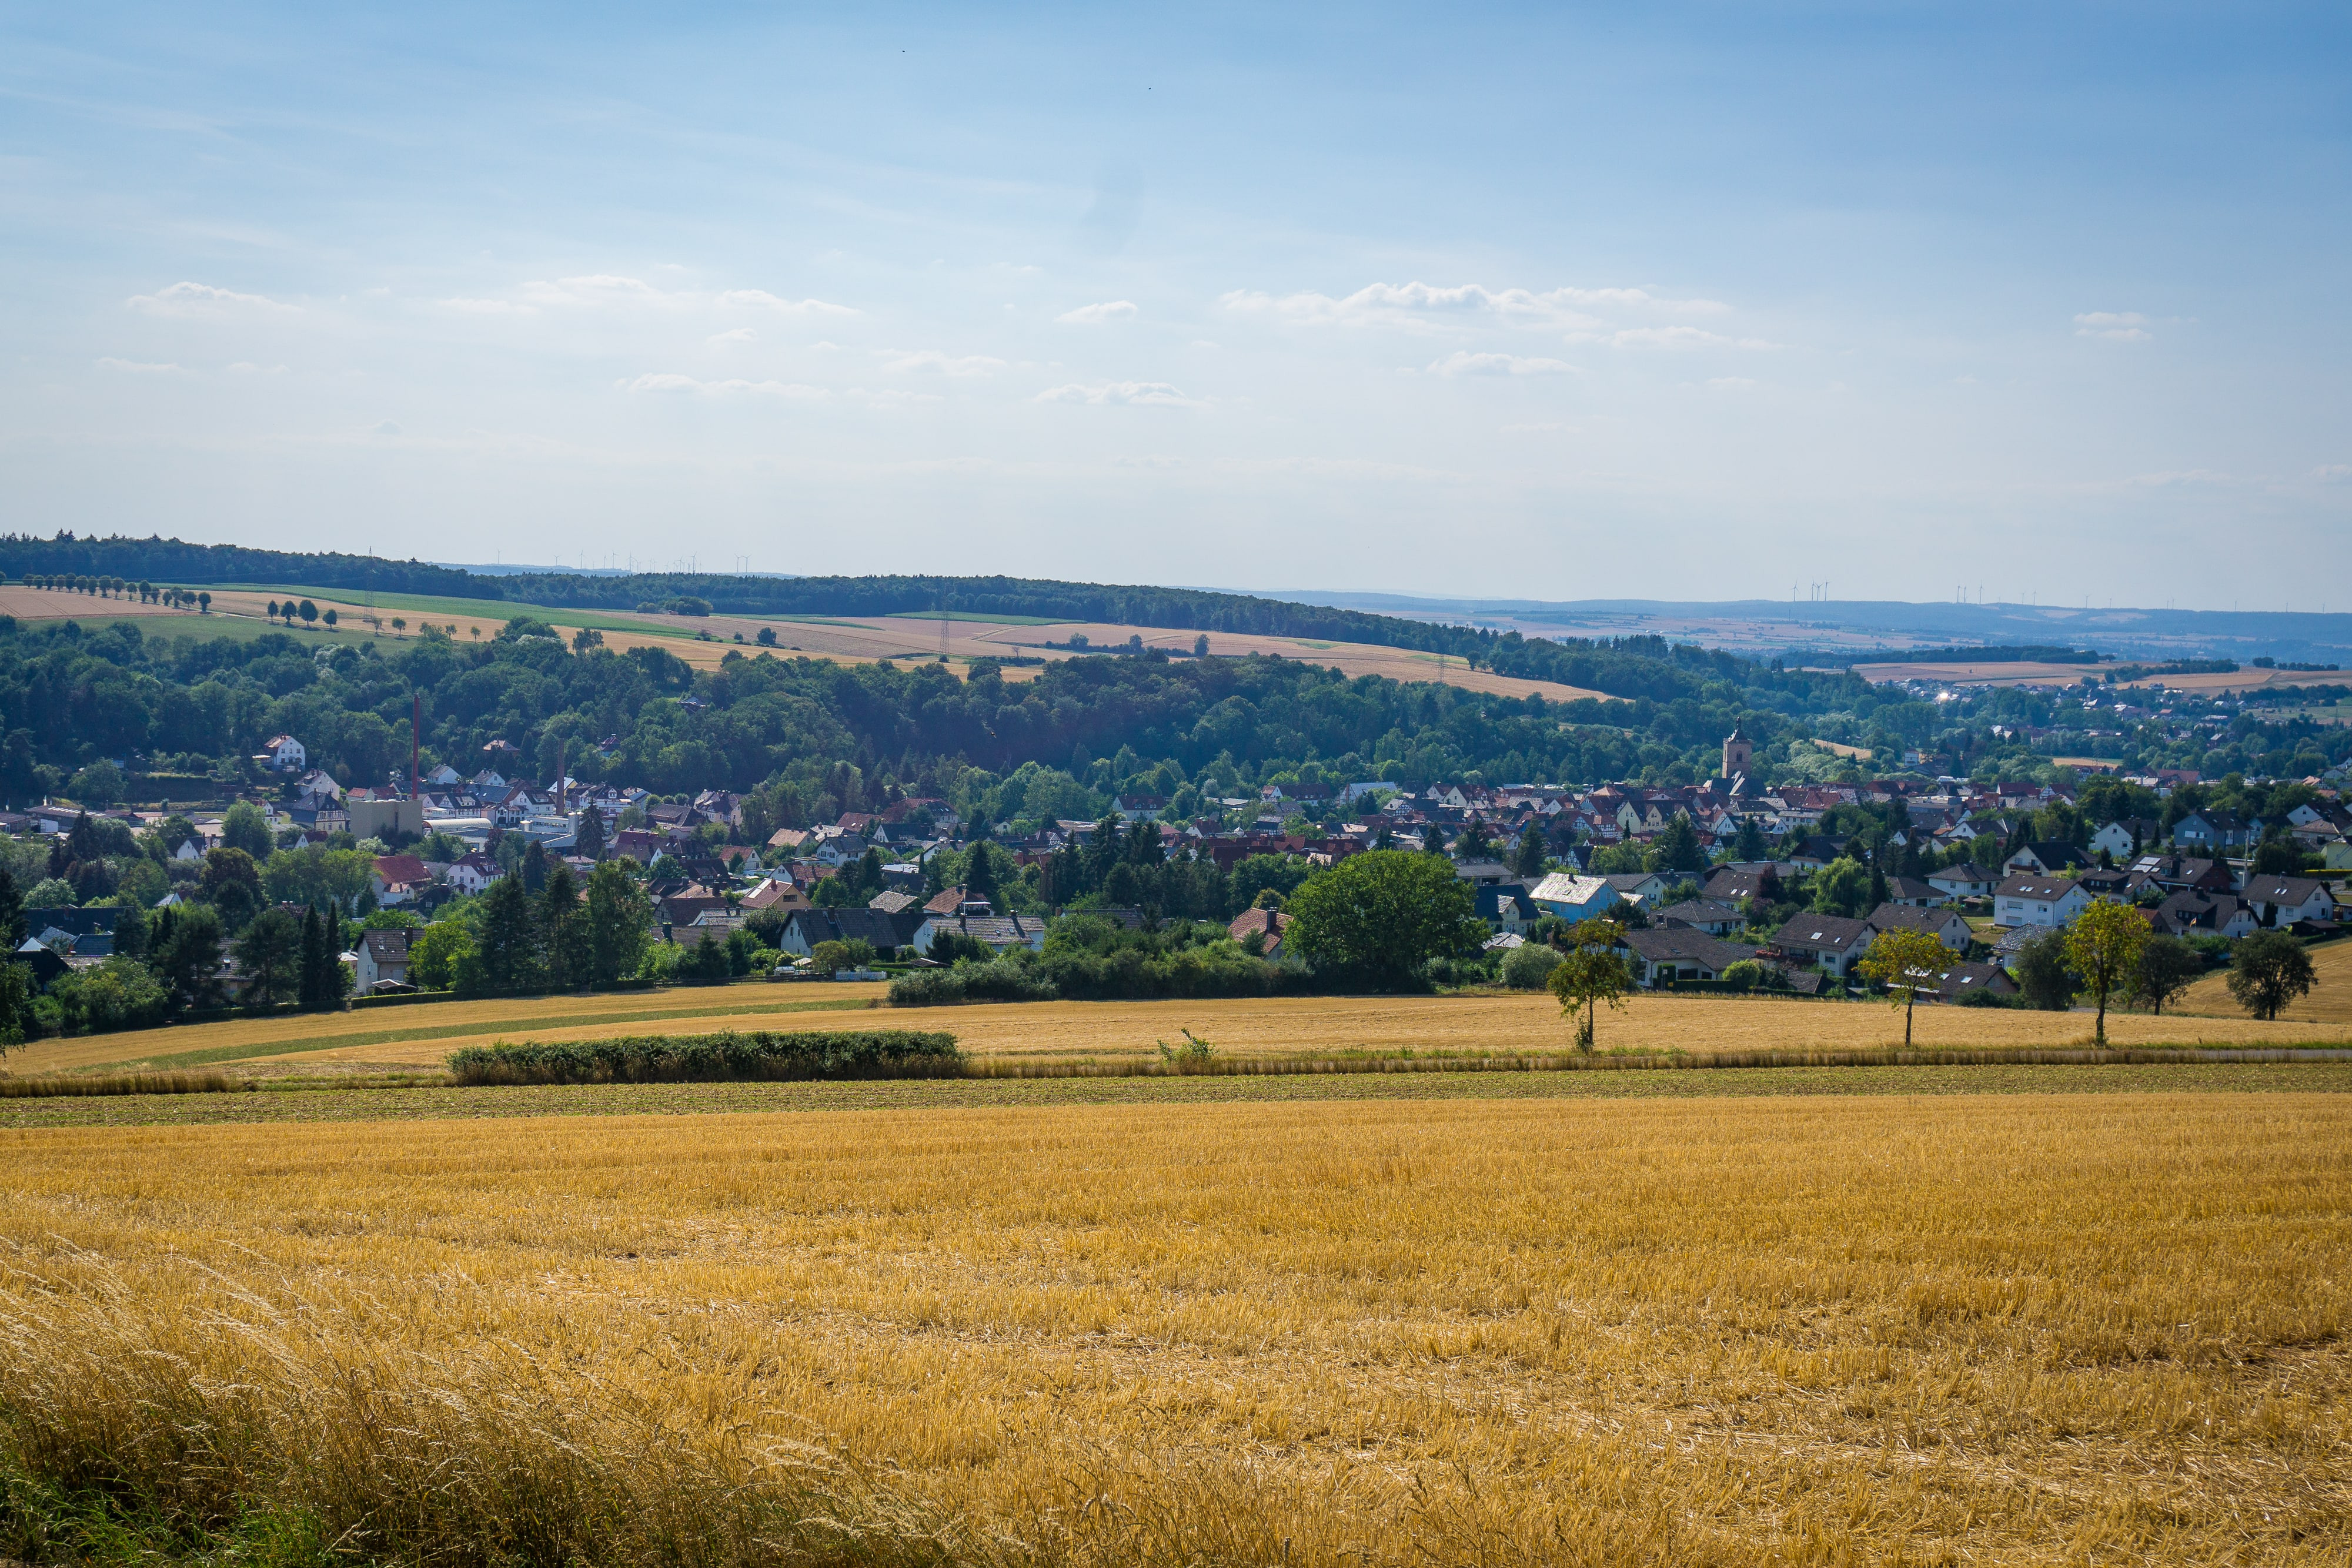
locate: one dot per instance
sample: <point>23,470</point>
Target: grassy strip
<point>382,1105</point>
<point>50,1085</point>
<point>729,1057</point>
<point>43,1519</point>
<point>457,1030</point>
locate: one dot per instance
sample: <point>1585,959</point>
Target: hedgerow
<point>762,1054</point>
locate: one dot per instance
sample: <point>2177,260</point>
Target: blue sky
<point>1690,302</point>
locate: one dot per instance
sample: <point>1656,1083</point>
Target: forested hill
<point>1628,667</point>
<point>162,696</point>
<point>175,563</point>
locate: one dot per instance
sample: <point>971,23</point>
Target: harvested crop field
<point>2077,1329</point>
<point>358,1100</point>
<point>1311,1028</point>
<point>2330,1001</point>
<point>446,1025</point>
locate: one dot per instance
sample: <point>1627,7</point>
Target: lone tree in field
<point>2167,967</point>
<point>1376,918</point>
<point>2104,946</point>
<point>1906,963</point>
<point>2272,970</point>
<point>1590,972</point>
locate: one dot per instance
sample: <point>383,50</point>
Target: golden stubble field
<point>1501,1024</point>
<point>2330,1001</point>
<point>1972,1330</point>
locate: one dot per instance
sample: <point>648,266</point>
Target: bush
<point>1744,974</point>
<point>761,1056</point>
<point>1002,980</point>
<point>1982,999</point>
<point>1528,968</point>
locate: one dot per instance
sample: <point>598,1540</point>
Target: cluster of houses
<point>2191,879</point>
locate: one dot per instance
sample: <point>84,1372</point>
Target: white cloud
<point>1729,383</point>
<point>596,288</point>
<point>1096,315</point>
<point>1460,363</point>
<point>1150,395</point>
<point>791,391</point>
<point>2334,473</point>
<point>199,299</point>
<point>944,364</point>
<point>248,368</point>
<point>487,307</point>
<point>138,368</point>
<point>1668,337</point>
<point>734,298</point>
<point>1532,429</point>
<point>739,335</point>
<point>1409,305</point>
<point>2117,326</point>
<point>389,427</point>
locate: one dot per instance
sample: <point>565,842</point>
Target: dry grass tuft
<point>48,1085</point>
<point>1722,1332</point>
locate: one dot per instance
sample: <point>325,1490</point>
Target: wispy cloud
<point>2333,473</point>
<point>1147,394</point>
<point>140,367</point>
<point>487,307</point>
<point>199,299</point>
<point>1729,383</point>
<point>2117,326</point>
<point>760,297</point>
<point>1417,305</point>
<point>1672,339</point>
<point>610,290</point>
<point>938,362</point>
<point>791,391</point>
<point>1096,315</point>
<point>670,384</point>
<point>739,335</point>
<point>1462,362</point>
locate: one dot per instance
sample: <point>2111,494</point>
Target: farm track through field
<point>437,1102</point>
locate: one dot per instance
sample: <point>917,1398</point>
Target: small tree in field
<point>1590,973</point>
<point>2104,946</point>
<point>2167,967</point>
<point>1906,963</point>
<point>2271,970</point>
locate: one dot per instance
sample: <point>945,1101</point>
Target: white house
<point>1572,897</point>
<point>1941,924</point>
<point>381,955</point>
<point>1002,933</point>
<point>2116,838</point>
<point>2038,901</point>
<point>285,754</point>
<point>2284,900</point>
<point>474,873</point>
<point>1963,881</point>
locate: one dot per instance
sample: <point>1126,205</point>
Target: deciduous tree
<point>1590,972</point>
<point>1908,964</point>
<point>2104,946</point>
<point>1376,918</point>
<point>2270,970</point>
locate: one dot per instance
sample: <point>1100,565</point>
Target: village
<point>1726,885</point>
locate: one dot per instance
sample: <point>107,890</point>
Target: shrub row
<point>714,1057</point>
<point>1003,980</point>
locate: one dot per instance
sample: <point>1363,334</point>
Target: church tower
<point>1737,750</point>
